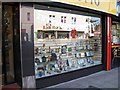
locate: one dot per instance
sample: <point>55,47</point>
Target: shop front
<point>115,43</point>
<point>115,29</point>
<point>59,41</point>
<point>63,44</point>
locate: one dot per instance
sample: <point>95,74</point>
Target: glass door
<point>7,45</point>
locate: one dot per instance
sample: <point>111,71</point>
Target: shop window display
<point>116,33</point>
<point>115,39</point>
<point>64,42</point>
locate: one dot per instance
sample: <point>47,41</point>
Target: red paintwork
<point>109,27</point>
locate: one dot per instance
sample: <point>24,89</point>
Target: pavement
<point>98,81</point>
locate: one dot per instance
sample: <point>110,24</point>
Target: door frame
<point>4,66</point>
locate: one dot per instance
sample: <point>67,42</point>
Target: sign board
<point>108,6</point>
<point>118,7</point>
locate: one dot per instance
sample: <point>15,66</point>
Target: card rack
<point>59,56</point>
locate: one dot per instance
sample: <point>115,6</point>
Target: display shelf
<point>61,30</point>
<point>70,51</point>
<point>97,62</point>
<point>47,75</point>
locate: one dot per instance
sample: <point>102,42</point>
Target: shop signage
<point>108,6</point>
<point>118,7</point>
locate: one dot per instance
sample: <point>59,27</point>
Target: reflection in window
<point>28,16</point>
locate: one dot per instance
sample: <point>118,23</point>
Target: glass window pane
<point>64,42</point>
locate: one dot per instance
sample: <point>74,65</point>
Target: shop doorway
<point>115,44</point>
<point>9,16</point>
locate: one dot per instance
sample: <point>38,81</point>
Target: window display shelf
<point>52,73</point>
<point>73,53</point>
<point>67,39</point>
<point>61,30</point>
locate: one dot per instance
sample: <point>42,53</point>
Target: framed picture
<point>81,61</point>
<point>82,54</point>
<point>87,54</point>
<point>69,49</point>
<point>90,60</point>
<point>118,26</point>
<point>64,49</point>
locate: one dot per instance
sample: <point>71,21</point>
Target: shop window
<point>64,42</point>
<point>116,33</point>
